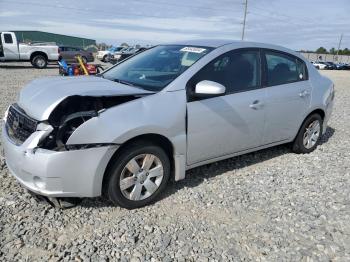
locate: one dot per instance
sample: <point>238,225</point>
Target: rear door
<point>223,125</point>
<point>9,45</point>
<point>288,95</point>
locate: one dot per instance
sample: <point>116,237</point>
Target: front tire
<point>309,135</point>
<point>106,58</point>
<point>39,61</point>
<point>138,175</point>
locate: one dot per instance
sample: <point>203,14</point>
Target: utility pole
<point>245,17</point>
<point>341,38</point>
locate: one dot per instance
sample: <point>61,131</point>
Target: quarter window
<point>8,38</point>
<point>283,69</point>
<point>237,70</point>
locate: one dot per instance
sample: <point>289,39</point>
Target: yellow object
<point>82,65</point>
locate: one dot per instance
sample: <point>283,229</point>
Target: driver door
<point>234,122</point>
<point>9,45</point>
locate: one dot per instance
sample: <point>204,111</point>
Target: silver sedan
<point>126,132</point>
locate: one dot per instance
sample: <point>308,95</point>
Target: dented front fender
<point>163,113</point>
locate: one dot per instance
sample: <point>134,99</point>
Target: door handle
<point>256,105</point>
<point>304,93</point>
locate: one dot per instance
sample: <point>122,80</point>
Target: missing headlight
<point>60,135</point>
<point>70,124</point>
<point>72,112</point>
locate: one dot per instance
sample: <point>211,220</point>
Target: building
<point>39,36</point>
<point>326,57</point>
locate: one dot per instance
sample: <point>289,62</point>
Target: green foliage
<point>346,51</point>
<point>321,50</point>
<point>333,51</point>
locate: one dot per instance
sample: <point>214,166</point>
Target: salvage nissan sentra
<point>126,132</point>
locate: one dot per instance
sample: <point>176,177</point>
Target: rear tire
<point>309,135</point>
<point>39,61</point>
<point>145,169</point>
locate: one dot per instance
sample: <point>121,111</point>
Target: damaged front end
<point>37,134</point>
<point>38,155</point>
<point>71,113</point>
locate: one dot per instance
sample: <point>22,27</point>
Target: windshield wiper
<point>124,82</point>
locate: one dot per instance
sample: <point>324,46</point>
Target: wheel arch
<point>157,139</point>
<point>318,111</point>
<point>35,53</point>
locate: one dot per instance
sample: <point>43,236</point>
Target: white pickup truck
<point>38,54</point>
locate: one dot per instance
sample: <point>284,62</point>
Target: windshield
<point>114,49</point>
<point>155,68</point>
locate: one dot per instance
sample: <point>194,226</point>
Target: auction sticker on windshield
<point>193,49</point>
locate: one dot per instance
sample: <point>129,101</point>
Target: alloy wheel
<point>141,177</point>
<point>311,134</point>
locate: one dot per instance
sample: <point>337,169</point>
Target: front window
<point>155,68</point>
<point>237,70</point>
<point>8,38</point>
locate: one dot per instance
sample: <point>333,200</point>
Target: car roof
<point>220,42</point>
<point>216,43</point>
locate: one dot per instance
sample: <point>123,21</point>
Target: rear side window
<point>8,38</point>
<point>302,71</point>
<point>283,69</point>
<point>237,70</point>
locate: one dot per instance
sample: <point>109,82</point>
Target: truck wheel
<point>106,58</point>
<point>39,61</point>
<point>138,175</point>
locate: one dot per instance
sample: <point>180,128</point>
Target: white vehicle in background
<point>319,65</point>
<point>38,54</point>
<point>106,55</point>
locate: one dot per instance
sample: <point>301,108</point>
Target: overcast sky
<point>297,24</point>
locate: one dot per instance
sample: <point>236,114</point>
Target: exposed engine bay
<point>73,112</point>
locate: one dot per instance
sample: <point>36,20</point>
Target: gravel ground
<point>271,205</point>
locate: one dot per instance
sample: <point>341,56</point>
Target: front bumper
<point>75,173</point>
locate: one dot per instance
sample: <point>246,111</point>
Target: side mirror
<point>208,88</point>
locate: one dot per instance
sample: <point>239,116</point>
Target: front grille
<point>19,126</point>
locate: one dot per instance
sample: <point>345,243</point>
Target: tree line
<point>332,51</point>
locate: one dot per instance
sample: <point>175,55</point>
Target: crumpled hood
<point>41,96</point>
